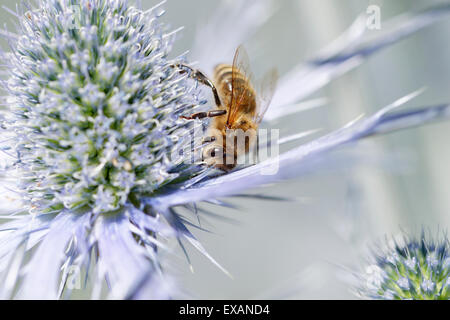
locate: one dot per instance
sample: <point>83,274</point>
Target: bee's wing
<point>241,67</point>
<point>265,93</point>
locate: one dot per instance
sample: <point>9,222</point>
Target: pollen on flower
<point>94,105</point>
<point>420,270</point>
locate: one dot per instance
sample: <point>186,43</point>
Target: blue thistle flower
<point>410,268</point>
<point>94,112</point>
<point>92,119</point>
<point>94,106</point>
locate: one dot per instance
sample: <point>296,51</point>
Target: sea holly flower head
<point>93,114</point>
<point>93,106</point>
<point>409,267</point>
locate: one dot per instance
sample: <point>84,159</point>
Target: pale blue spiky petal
<point>348,52</point>
<point>301,160</point>
<point>42,276</point>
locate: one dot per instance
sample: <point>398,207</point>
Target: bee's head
<point>215,155</point>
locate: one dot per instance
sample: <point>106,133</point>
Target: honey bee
<point>241,106</point>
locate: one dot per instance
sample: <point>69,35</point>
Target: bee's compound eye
<point>215,152</point>
<point>209,139</point>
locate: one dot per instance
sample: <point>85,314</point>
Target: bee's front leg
<point>200,77</point>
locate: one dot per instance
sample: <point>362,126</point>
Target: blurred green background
<point>301,249</point>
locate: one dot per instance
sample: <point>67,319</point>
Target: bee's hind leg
<point>200,77</point>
